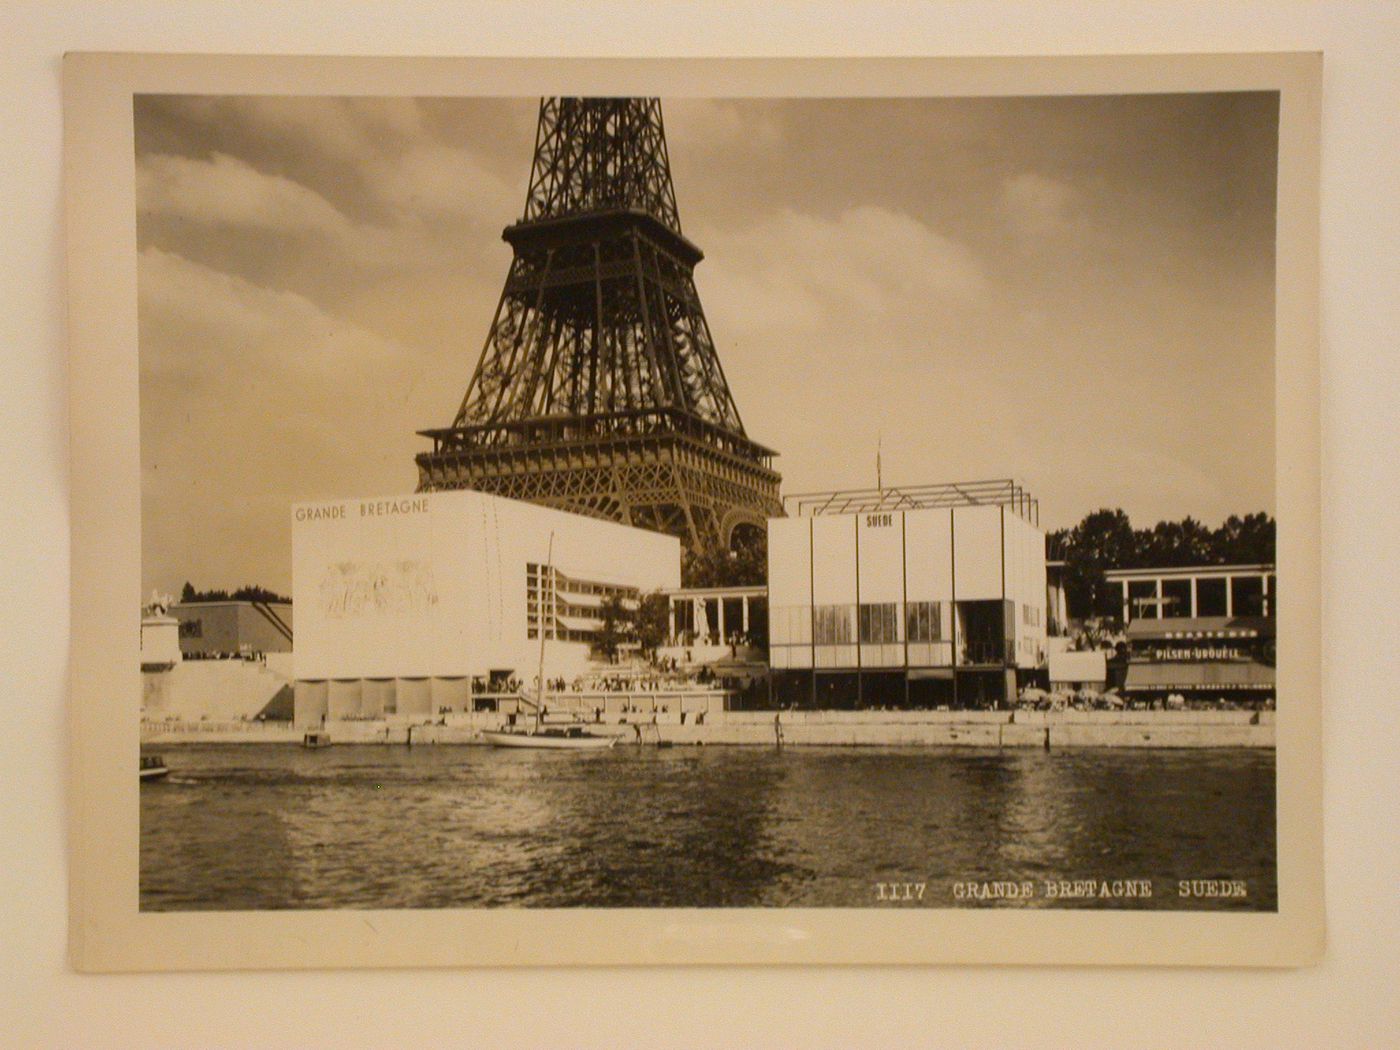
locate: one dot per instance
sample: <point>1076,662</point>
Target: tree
<point>1103,540</point>
<point>253,593</point>
<point>1095,635</point>
<point>652,622</point>
<point>1250,540</point>
<point>250,592</point>
<point>1172,544</point>
<point>616,626</point>
<point>745,564</point>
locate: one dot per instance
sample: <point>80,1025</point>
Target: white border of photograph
<point>107,930</point>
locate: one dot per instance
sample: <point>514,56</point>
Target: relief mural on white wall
<point>351,589</point>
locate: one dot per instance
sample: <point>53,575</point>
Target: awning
<point>577,623</point>
<point>1167,675</point>
<point>1198,627</point>
<point>924,674</point>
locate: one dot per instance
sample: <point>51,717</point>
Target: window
<point>1247,595</point>
<point>790,625</point>
<point>1210,596</point>
<point>984,630</point>
<point>924,622</point>
<point>879,623</point>
<point>831,624</point>
<point>1176,596</point>
<point>1142,600</point>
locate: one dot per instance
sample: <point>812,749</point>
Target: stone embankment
<point>1057,729</point>
<point>215,690</point>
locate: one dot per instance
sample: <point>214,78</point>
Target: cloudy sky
<point>1074,292</point>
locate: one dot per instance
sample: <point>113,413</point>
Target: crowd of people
<point>1111,699</point>
<point>653,680</point>
<point>734,639</point>
<point>250,655</point>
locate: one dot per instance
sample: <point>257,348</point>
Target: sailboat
<point>539,735</point>
<point>574,737</point>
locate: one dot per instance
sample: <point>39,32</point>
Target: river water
<point>276,826</point>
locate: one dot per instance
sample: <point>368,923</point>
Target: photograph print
<point>634,502</point>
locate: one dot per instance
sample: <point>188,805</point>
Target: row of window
<point>559,605</point>
<point>533,572</point>
<point>914,654</point>
<point>911,654</point>
<point>873,623</point>
<point>1214,596</point>
<point>542,586</point>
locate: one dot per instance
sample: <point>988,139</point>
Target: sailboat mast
<point>549,578</point>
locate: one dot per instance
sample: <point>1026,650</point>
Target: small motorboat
<point>153,767</point>
<point>316,738</point>
<point>568,737</point>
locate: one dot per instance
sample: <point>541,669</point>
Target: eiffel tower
<point>599,390</point>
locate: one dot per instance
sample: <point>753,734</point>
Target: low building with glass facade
<point>1195,590</point>
<point>932,596</point>
<point>1201,634</point>
<point>1202,660</point>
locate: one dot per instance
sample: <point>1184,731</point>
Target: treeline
<point>1107,540</point>
<point>250,593</point>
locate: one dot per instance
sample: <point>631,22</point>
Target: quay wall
<point>213,690</point>
<point>1059,729</point>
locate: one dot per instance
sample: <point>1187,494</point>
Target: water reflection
<point>278,827</point>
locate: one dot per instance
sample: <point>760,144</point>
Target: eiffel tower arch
<point>599,390</point>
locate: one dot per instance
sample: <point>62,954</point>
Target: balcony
<point>983,652</point>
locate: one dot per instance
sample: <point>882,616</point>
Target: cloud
<point>796,270</point>
<point>372,157</point>
<point>1034,204</point>
<point>432,181</point>
<point>344,129</point>
<point>252,397</point>
<point>224,194</point>
<point>225,211</point>
<point>846,308</point>
<point>719,126</point>
<point>201,327</point>
<point>226,191</point>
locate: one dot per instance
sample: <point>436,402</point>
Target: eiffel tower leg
<point>683,502</point>
<point>620,493</point>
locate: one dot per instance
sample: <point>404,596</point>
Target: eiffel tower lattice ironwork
<point>599,390</point>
